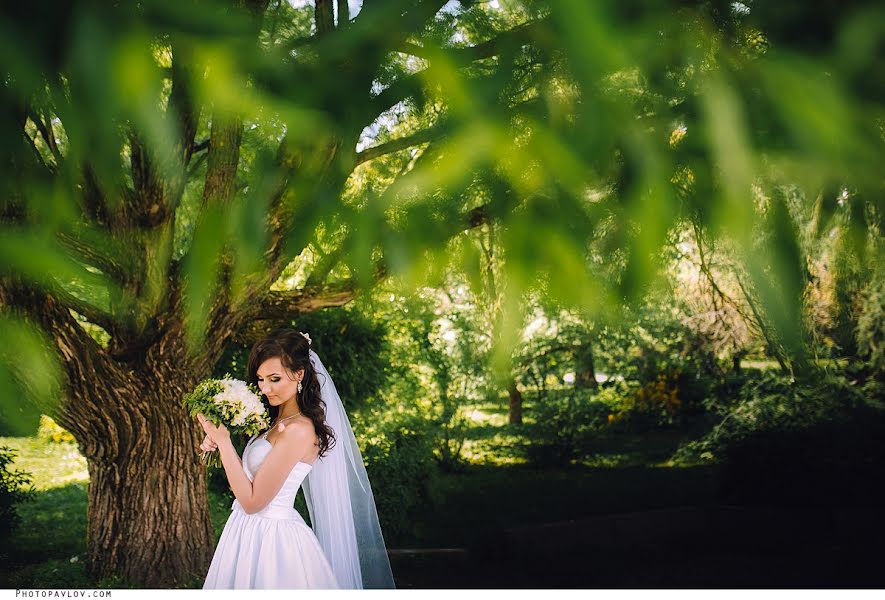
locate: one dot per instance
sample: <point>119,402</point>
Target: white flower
<point>306,336</point>
<point>246,406</point>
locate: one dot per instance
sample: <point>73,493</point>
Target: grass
<point>52,465</point>
<point>49,548</point>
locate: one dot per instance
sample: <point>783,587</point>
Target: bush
<point>398,452</point>
<point>12,492</point>
<point>565,421</point>
<point>448,429</point>
<point>870,330</point>
<point>653,404</point>
<point>669,371</point>
<point>814,442</point>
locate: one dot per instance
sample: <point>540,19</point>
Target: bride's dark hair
<point>292,349</point>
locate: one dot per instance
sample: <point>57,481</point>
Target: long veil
<point>341,504</point>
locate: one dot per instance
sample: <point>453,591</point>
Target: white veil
<point>340,502</point>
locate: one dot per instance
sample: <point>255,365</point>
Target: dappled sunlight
<point>499,450</point>
<point>478,416</point>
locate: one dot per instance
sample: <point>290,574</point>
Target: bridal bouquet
<point>230,402</point>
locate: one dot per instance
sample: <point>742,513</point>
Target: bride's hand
<point>217,433</point>
<point>208,445</point>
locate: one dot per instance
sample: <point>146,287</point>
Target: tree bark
<point>148,499</point>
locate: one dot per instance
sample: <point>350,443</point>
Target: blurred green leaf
<point>30,376</point>
<point>202,267</point>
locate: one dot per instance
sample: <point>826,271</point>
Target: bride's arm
<point>293,444</point>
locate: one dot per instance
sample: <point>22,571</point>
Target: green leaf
<point>30,377</point>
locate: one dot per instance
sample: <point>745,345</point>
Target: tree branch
<point>462,56</point>
<point>116,265</point>
<point>223,157</point>
<point>290,304</point>
<point>181,100</point>
<point>94,202</point>
<point>148,207</point>
<point>413,85</point>
<point>421,137</point>
<point>404,87</point>
<point>323,267</point>
<point>394,22</point>
<point>92,314</point>
<point>284,305</point>
<point>200,146</point>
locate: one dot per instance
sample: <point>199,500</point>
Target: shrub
<point>870,330</point>
<point>448,431</point>
<point>817,441</point>
<point>671,371</point>
<point>12,490</point>
<point>565,421</point>
<point>652,404</point>
<point>398,452</point>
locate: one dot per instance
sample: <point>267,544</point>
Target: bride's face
<point>276,382</point>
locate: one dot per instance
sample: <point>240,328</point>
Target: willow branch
<point>461,56</point>
<point>421,137</point>
<point>284,305</point>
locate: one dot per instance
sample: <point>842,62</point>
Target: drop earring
<point>299,387</point>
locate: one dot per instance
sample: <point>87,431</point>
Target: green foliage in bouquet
<point>230,402</point>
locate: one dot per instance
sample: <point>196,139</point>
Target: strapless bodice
<point>282,505</point>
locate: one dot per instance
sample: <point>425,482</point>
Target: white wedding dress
<point>273,548</point>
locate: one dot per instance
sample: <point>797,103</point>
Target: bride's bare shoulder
<point>300,428</point>
<point>301,438</point>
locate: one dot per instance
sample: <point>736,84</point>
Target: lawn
<point>48,549</point>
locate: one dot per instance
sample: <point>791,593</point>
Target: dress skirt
<point>270,549</point>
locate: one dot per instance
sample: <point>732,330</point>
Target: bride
<point>266,543</point>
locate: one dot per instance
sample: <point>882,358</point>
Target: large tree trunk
<point>148,501</point>
<point>148,510</point>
